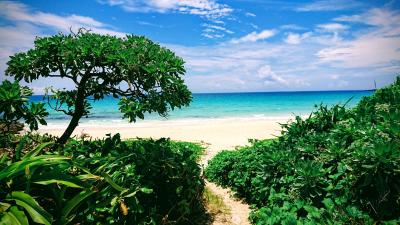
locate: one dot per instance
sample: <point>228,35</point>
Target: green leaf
<point>88,177</point>
<point>37,149</point>
<point>4,206</point>
<point>18,168</point>
<point>146,190</point>
<point>112,183</point>
<point>37,213</point>
<point>55,181</point>
<point>71,205</point>
<point>19,147</point>
<point>58,175</point>
<point>368,166</point>
<point>14,217</point>
<point>3,158</point>
<point>329,204</point>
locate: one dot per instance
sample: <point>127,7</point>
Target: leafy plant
<point>15,105</point>
<point>161,180</point>
<point>43,175</point>
<point>338,166</point>
<point>103,181</point>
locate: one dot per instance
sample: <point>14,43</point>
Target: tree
<point>143,75</point>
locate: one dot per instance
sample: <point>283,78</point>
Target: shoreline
<point>216,134</point>
<point>124,123</point>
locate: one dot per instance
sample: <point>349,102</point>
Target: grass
<point>216,206</point>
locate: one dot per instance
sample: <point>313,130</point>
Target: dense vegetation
<point>101,182</point>
<point>338,166</point>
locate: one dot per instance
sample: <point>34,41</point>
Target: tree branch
<point>61,76</point>
<point>58,106</point>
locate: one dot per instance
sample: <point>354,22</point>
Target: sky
<point>232,45</point>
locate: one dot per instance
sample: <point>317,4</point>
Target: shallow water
<point>223,105</point>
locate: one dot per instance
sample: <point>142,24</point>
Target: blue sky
<point>236,45</point>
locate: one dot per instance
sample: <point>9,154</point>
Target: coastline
<point>216,134</point>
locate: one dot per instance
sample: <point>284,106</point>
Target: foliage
<point>338,166</point>
<point>163,174</point>
<point>102,182</point>
<point>14,106</point>
<point>48,178</point>
<point>143,75</point>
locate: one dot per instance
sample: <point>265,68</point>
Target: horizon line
<point>257,92</point>
<point>250,92</point>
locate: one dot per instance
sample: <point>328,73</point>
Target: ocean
<point>222,105</point>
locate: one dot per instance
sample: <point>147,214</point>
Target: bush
<point>102,182</point>
<point>164,175</point>
<point>14,108</point>
<point>42,184</point>
<point>338,166</point>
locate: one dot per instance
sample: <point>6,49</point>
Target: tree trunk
<point>70,129</point>
<point>78,113</point>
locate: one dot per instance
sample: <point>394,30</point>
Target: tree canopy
<point>143,75</point>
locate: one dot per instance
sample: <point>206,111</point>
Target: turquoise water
<point>227,105</point>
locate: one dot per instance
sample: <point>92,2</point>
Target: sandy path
<point>239,211</point>
<point>216,135</point>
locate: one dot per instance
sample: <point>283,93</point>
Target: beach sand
<point>216,134</point>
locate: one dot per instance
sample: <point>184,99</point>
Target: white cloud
<point>240,66</point>
<point>145,23</point>
<point>376,47</point>
<point>254,26</point>
<point>218,28</point>
<point>14,39</point>
<point>206,8</point>
<point>386,20</point>
<point>294,38</point>
<point>250,14</point>
<point>20,13</point>
<point>365,51</point>
<point>254,36</point>
<point>212,35</point>
<point>352,18</point>
<point>214,31</point>
<point>268,76</point>
<point>329,34</point>
<point>329,5</point>
<point>292,27</point>
<point>376,17</point>
<point>332,27</point>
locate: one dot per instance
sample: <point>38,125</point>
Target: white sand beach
<point>218,134</point>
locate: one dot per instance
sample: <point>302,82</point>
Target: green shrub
<point>338,166</point>
<point>14,106</point>
<point>164,176</point>
<point>102,182</point>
